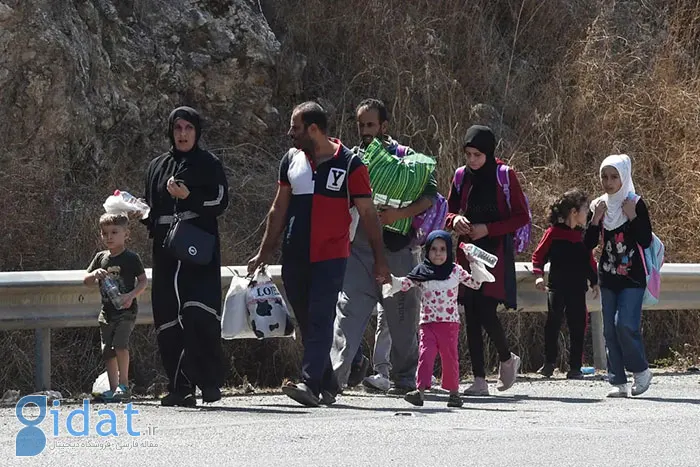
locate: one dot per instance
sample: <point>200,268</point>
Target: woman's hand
<point>177,189</point>
<point>478,231</point>
<point>629,207</point>
<point>596,291</point>
<point>599,212</point>
<point>461,225</point>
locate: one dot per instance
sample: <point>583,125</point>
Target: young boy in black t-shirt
<point>125,269</point>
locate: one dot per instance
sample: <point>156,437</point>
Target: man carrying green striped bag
<point>403,186</point>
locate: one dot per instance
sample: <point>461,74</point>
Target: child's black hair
<point>560,210</point>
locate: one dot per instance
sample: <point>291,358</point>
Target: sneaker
<point>414,397</point>
<point>508,372</point>
<point>107,396</point>
<point>547,370</point>
<point>399,390</point>
<point>573,374</point>
<point>478,388</point>
<point>212,394</point>
<point>301,393</point>
<point>619,390</point>
<point>358,372</point>
<point>454,401</point>
<point>642,381</point>
<point>378,382</point>
<point>327,398</point>
<point>174,399</point>
<point>122,393</point>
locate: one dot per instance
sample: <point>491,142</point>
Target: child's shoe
<point>414,397</point>
<point>107,396</point>
<point>478,388</point>
<point>454,400</point>
<point>547,370</point>
<point>508,372</point>
<point>122,393</point>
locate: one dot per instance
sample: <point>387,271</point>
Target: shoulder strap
<point>347,177</point>
<point>401,150</point>
<point>503,177</point>
<point>459,178</point>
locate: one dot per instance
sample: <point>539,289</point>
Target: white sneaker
<point>508,372</point>
<point>478,388</point>
<point>619,390</point>
<point>642,381</point>
<point>378,382</point>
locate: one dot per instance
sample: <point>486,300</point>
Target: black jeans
<point>480,311</point>
<point>312,290</point>
<point>573,305</point>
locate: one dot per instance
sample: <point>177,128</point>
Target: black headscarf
<point>482,205</point>
<point>427,271</point>
<point>192,116</point>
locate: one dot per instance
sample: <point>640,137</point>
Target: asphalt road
<point>538,422</point>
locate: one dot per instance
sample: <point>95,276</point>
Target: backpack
<point>521,238</point>
<point>652,259</point>
<point>432,218</point>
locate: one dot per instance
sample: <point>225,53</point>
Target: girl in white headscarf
<point>623,219</point>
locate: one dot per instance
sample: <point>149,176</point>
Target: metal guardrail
<point>42,300</point>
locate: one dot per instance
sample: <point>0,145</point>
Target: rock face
<point>86,87</point>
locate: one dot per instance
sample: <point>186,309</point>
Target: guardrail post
<point>599,356</point>
<point>42,359</point>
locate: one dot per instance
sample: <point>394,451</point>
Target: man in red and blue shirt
<point>319,181</point>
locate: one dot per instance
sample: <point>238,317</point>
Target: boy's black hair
<point>119,220</point>
<point>311,112</point>
<point>375,104</point>
<point>560,210</point>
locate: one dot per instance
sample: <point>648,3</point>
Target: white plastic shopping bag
<point>101,384</point>
<point>234,321</point>
<point>392,287</point>
<point>268,315</point>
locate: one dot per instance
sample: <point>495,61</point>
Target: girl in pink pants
<point>438,278</point>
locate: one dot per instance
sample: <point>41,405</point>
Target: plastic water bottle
<point>123,201</point>
<point>479,254</point>
<point>111,290</point>
<point>587,370</point>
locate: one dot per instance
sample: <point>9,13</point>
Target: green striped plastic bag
<point>396,181</point>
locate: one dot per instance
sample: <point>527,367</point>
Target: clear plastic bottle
<point>479,254</point>
<point>111,290</point>
<point>122,201</point>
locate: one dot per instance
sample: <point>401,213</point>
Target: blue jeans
<point>622,321</point>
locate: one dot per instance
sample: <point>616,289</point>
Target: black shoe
<point>455,401</point>
<point>573,374</point>
<point>414,397</point>
<point>301,393</point>
<point>399,390</point>
<point>327,398</point>
<point>212,394</point>
<point>358,372</point>
<point>174,399</point>
<point>547,370</point>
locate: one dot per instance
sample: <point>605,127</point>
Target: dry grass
<point>563,82</point>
